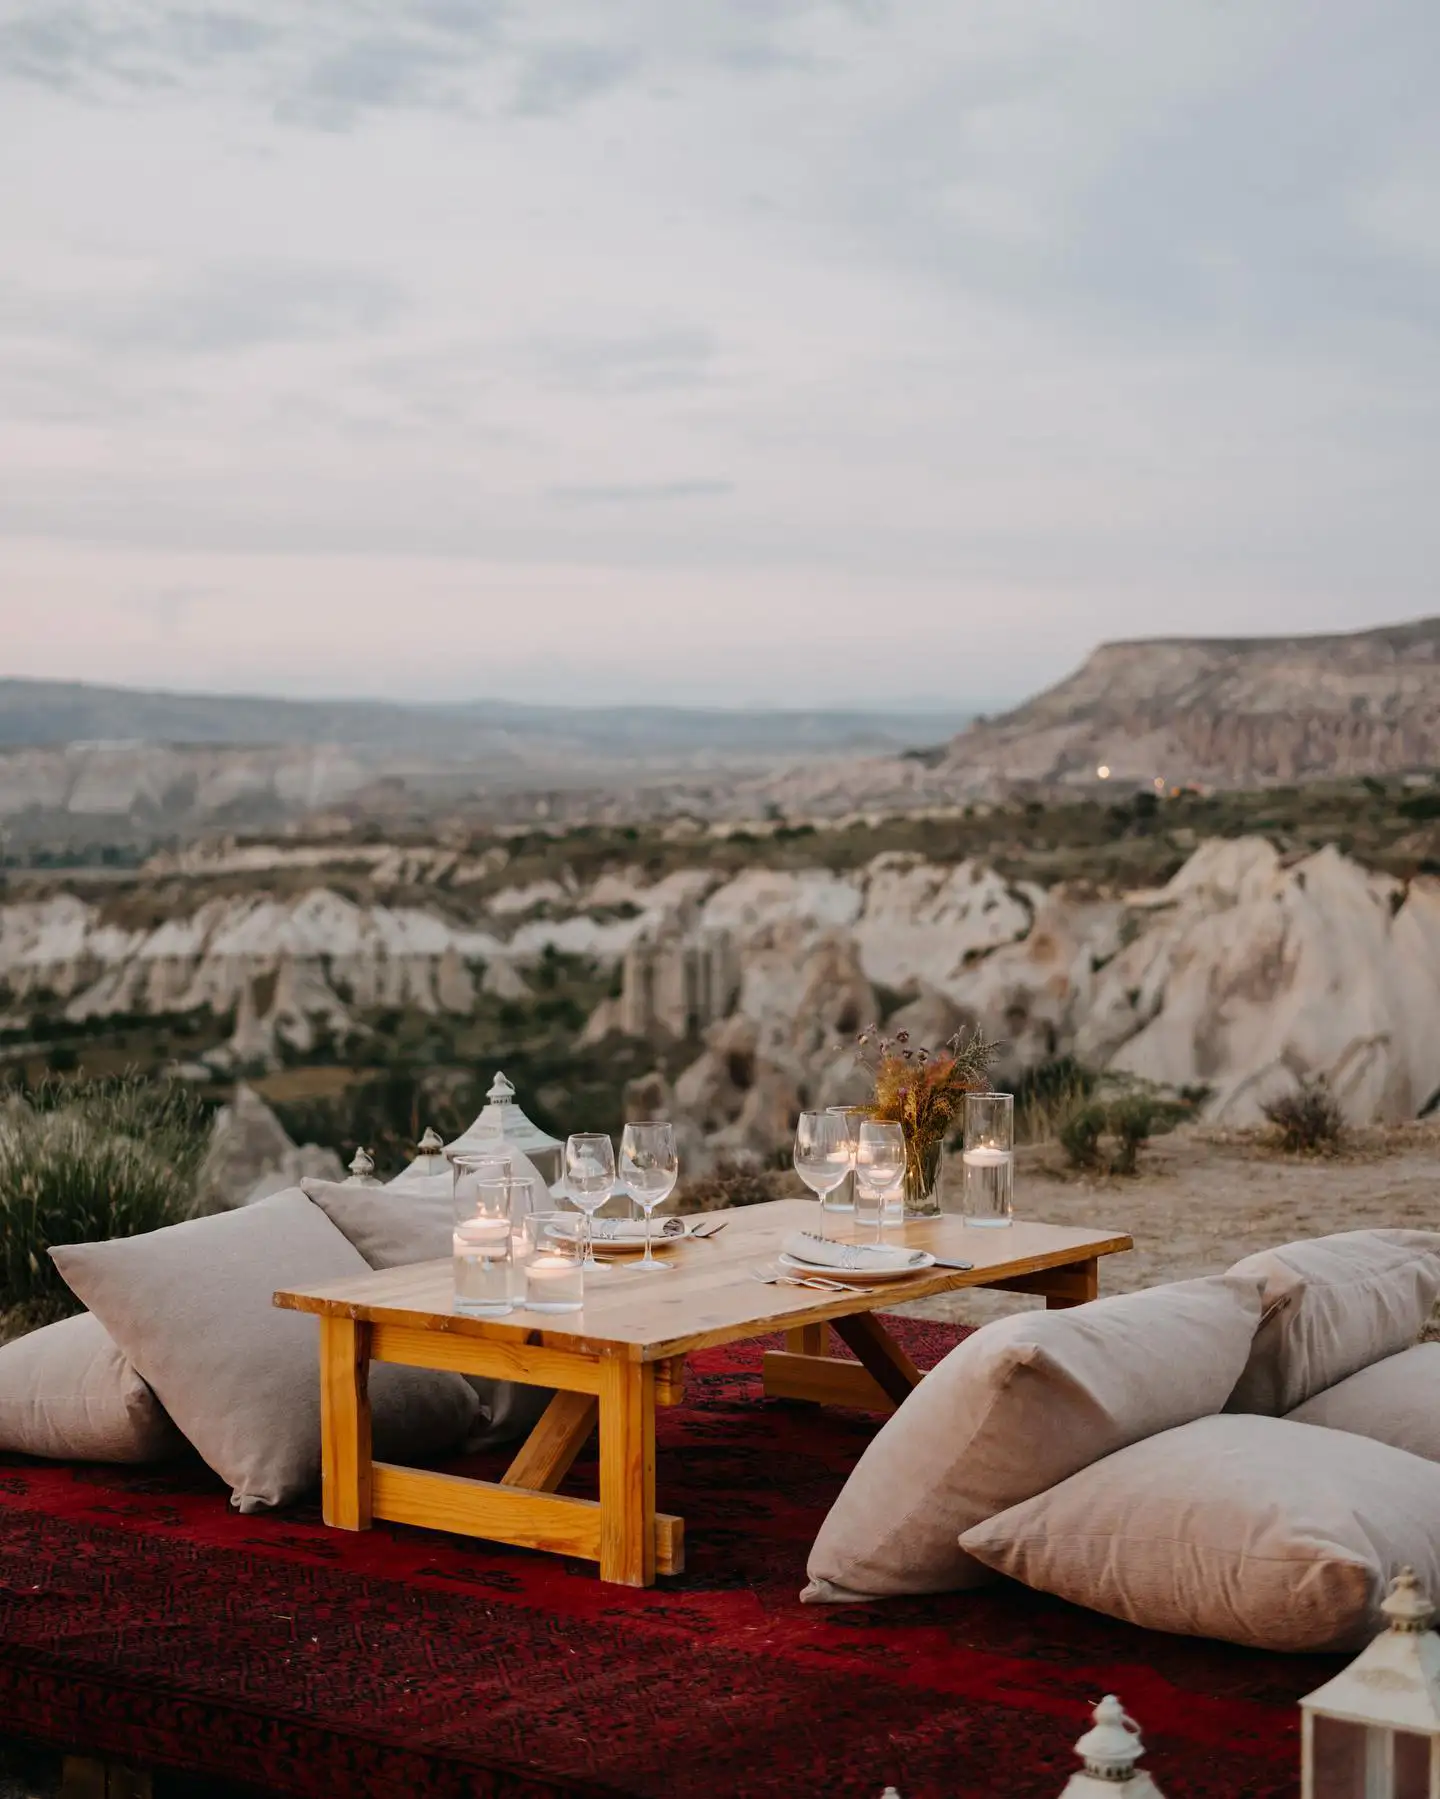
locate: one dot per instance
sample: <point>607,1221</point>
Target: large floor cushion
<point>411,1221</point>
<point>1396,1401</point>
<point>1334,1305</point>
<point>190,1306</point>
<point>1019,1405</point>
<point>67,1392</point>
<point>1255,1530</point>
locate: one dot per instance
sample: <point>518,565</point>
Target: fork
<point>699,1235</point>
<point>773,1278</point>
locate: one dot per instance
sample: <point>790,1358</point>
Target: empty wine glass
<point>879,1169</point>
<point>823,1153</point>
<point>589,1180</point>
<point>650,1168</point>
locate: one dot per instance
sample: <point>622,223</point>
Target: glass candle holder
<point>989,1159</point>
<point>481,1243</point>
<point>554,1277</point>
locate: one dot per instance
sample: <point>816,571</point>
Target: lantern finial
<point>1110,1750</point>
<point>362,1164</point>
<point>431,1144</point>
<point>1113,1747</point>
<point>501,1091</point>
<point>1408,1606</point>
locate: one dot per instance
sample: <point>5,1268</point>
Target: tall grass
<point>81,1161</point>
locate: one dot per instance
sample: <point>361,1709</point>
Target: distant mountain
<point>54,713</point>
<point>107,765</point>
<point>1228,712</point>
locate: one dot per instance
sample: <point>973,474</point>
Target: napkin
<point>621,1230</point>
<point>861,1257</point>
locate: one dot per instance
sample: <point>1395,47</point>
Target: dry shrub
<point>1307,1122</point>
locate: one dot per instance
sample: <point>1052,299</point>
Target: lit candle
<point>481,1233</point>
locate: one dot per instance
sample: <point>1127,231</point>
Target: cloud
<point>640,492</point>
<point>662,359</point>
<point>559,77</point>
<point>372,74</point>
<point>77,48</point>
<point>222,308</point>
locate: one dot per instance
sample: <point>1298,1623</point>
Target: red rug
<point>141,1618</point>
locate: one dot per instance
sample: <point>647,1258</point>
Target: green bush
<point>1125,1123</point>
<point>83,1161</point>
<point>1080,1131</point>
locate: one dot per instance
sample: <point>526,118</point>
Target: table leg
<point>627,1471</point>
<point>806,1339</point>
<point>346,1467</point>
<point>1073,1284</point>
<point>552,1446</point>
<point>879,1354</point>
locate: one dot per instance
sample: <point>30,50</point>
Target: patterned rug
<point>141,1618</point>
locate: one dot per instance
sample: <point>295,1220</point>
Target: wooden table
<point>623,1355</point>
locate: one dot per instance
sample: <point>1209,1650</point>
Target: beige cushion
<point>190,1306</point>
<point>390,1226</point>
<point>1016,1407</point>
<point>1396,1401</point>
<point>1256,1530</point>
<point>1334,1305</point>
<point>67,1392</point>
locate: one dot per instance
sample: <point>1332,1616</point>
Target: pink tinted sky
<point>804,353</point>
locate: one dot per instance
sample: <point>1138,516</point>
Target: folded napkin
<point>620,1230</point>
<point>820,1252</point>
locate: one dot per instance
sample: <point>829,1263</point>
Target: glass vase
<point>922,1179</point>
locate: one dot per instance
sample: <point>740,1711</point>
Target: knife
<point>945,1262</point>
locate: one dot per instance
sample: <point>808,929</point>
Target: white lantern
<point>501,1113</point>
<point>1373,1732</point>
<point>1110,1751</point>
<point>362,1170</point>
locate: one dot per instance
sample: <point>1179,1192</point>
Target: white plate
<point>855,1276</point>
<point>629,1233</point>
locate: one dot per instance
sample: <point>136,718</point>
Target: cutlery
<point>946,1262</point>
<point>703,1236</point>
<point>821,1285</point>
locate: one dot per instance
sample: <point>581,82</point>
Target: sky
<point>758,352</point>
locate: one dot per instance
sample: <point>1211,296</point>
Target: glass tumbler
<point>481,1245</point>
<point>843,1198</point>
<point>551,1248</point>
<point>989,1159</point>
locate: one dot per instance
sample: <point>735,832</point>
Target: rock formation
<point>251,1156</point>
<point>1245,973</point>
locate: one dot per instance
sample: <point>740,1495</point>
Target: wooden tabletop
<point>709,1296</point>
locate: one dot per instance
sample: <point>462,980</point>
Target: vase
<point>922,1180</point>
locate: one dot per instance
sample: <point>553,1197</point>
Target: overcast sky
<point>752,351</point>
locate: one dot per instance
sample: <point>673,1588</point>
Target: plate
<point>629,1237</point>
<point>856,1277</point>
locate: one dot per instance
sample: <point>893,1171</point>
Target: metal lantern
<point>1110,1751</point>
<point>1373,1732</point>
<point>362,1170</point>
<point>501,1113</point>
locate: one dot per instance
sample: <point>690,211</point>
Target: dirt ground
<point>1204,1198</point>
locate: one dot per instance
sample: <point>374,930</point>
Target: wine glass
<point>823,1155</point>
<point>650,1168</point>
<point>879,1168</point>
<point>589,1180</point>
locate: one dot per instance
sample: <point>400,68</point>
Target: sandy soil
<point>1204,1198</point>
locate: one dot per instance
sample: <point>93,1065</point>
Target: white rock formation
<point>1242,975</point>
<point>251,1156</point>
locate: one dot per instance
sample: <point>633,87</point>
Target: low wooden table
<point>623,1355</point>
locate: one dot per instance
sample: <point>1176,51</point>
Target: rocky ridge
<point>1217,712</point>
